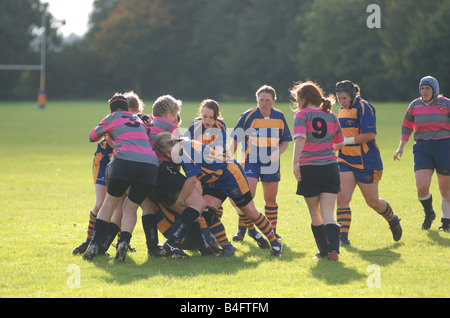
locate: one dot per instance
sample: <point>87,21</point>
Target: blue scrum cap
<point>430,81</point>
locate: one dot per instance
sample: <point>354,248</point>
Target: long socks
<point>90,230</point>
<point>188,217</point>
<point>326,237</point>
<point>263,224</point>
<point>427,204</point>
<point>344,219</point>
<point>321,239</point>
<point>113,231</point>
<point>217,228</point>
<point>388,214</point>
<point>151,231</point>
<point>271,211</point>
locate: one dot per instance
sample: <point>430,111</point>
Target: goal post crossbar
<point>20,67</point>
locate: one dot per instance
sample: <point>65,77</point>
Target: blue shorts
<point>98,168</point>
<point>367,176</point>
<point>263,172</point>
<point>432,154</point>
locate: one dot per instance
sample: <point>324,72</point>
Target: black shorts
<point>132,171</point>
<point>137,193</point>
<point>319,179</point>
<point>122,174</point>
<point>241,201</point>
<point>168,184</point>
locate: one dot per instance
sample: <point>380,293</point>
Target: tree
<point>131,41</point>
<point>416,43</point>
<point>339,45</point>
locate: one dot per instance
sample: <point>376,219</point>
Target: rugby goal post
<point>42,95</point>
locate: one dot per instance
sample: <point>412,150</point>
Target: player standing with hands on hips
<point>429,117</point>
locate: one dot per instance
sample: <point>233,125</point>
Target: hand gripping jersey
<point>129,135</point>
<point>429,122</point>
<point>359,119</point>
<point>261,136</point>
<point>321,130</point>
<point>215,136</point>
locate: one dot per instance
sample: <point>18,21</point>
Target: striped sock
<point>388,214</point>
<point>242,224</point>
<point>218,230</point>
<point>219,212</point>
<point>263,224</point>
<point>344,219</point>
<point>245,223</point>
<point>90,231</point>
<point>271,211</point>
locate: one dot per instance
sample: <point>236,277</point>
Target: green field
<point>47,193</point>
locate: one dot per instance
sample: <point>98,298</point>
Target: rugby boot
<point>238,236</point>
<point>277,250</point>
<point>121,252</point>
<point>227,252</point>
<point>396,229</point>
<point>80,249</point>
<point>261,241</point>
<point>158,252</point>
<point>333,256</point>
<point>429,218</point>
<point>445,225</point>
<point>91,251</point>
<point>173,247</point>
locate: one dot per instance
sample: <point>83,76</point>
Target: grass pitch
<point>47,193</point>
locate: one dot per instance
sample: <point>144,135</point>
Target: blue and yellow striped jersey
<point>260,136</point>
<point>359,119</point>
<point>202,161</point>
<point>213,137</point>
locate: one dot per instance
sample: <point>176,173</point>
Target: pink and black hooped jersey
<point>129,135</point>
<point>159,125</point>
<point>428,122</point>
<point>321,130</point>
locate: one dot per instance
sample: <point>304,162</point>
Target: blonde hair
<point>164,141</point>
<point>166,104</point>
<point>267,89</point>
<point>135,104</point>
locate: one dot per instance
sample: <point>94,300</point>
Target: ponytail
<point>327,103</point>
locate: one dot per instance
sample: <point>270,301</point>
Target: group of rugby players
<point>140,159</point>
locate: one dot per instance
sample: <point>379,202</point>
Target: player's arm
<point>359,139</point>
<point>186,190</point>
<point>399,152</point>
<point>299,143</point>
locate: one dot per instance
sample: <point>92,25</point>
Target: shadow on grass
<point>440,238</point>
<point>129,270</point>
<point>336,273</point>
<point>383,256</point>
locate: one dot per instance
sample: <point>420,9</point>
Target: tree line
<point>226,49</point>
